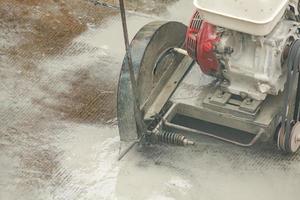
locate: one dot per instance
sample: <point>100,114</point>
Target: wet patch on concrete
<point>212,169</point>
<point>58,83</point>
<point>46,27</point>
<point>87,100</point>
<point>55,99</point>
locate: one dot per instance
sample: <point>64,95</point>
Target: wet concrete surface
<point>58,137</point>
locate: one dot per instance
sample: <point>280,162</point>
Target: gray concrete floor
<point>59,63</point>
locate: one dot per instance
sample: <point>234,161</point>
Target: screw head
<point>248,101</point>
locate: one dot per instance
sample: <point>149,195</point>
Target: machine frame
<point>146,115</point>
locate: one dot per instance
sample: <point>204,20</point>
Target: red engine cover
<point>200,41</point>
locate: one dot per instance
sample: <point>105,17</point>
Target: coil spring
<point>173,139</point>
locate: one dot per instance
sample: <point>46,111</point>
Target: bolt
<point>248,101</point>
<point>264,88</point>
<point>220,95</point>
<point>228,50</point>
<point>243,95</point>
<point>225,83</point>
<point>187,142</point>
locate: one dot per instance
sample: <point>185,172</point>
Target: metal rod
<point>251,143</point>
<point>127,46</point>
<point>181,51</point>
<point>123,154</point>
<point>128,62</point>
<point>132,12</point>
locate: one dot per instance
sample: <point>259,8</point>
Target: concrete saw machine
<point>232,74</point>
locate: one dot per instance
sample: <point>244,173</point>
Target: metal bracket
<point>224,102</point>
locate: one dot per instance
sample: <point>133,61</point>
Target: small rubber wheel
<point>294,142</point>
<point>295,138</point>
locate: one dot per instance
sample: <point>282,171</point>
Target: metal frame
<point>158,98</point>
<point>167,122</point>
<point>257,122</point>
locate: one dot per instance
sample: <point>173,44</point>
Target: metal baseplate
<point>203,108</point>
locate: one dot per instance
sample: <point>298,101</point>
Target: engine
<point>247,64</point>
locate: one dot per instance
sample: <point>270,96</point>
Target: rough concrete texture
<point>59,64</point>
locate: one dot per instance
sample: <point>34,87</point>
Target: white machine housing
<point>259,34</point>
<point>255,17</point>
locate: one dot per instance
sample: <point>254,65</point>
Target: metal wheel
<point>295,137</point>
<point>294,141</point>
<point>288,138</point>
<point>153,61</point>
